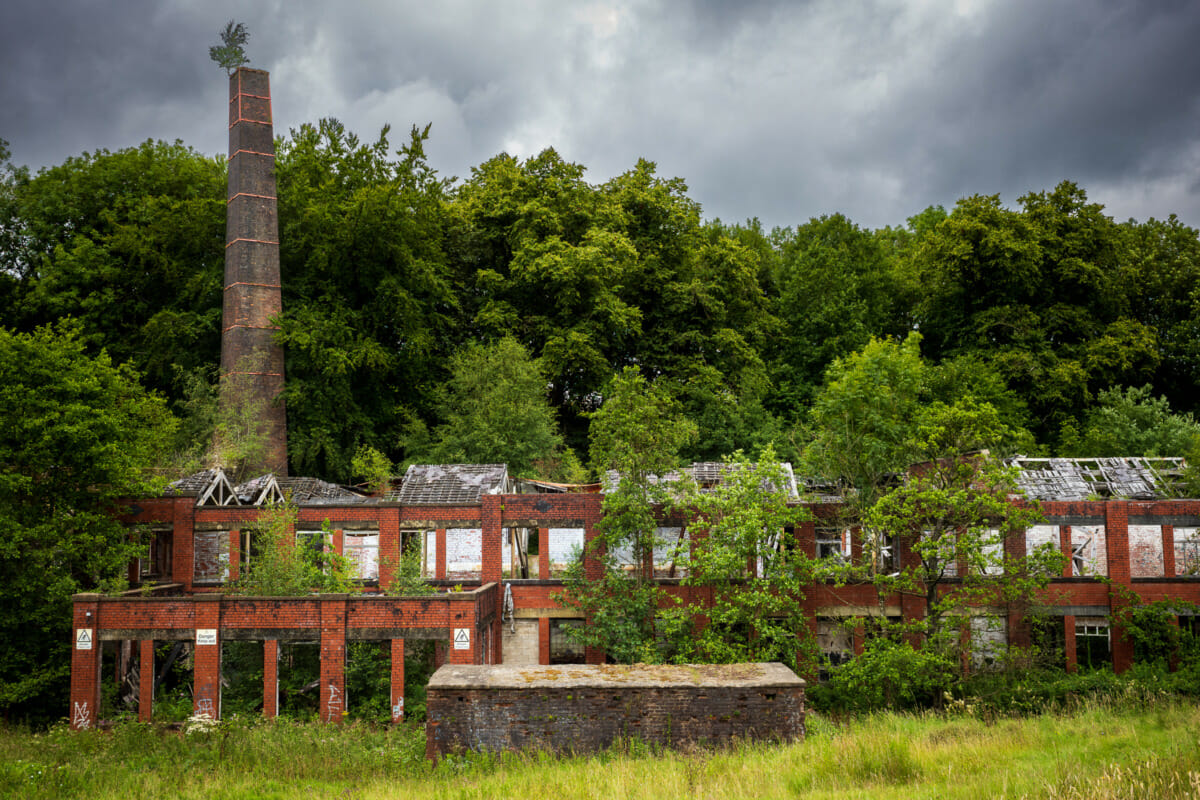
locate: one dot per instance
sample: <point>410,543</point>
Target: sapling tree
<point>951,513</point>
<point>280,567</point>
<point>743,552</point>
<point>635,439</point>
<point>231,53</point>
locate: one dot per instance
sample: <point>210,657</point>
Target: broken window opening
<point>833,543</point>
<point>1049,637</point>
<point>1081,554</point>
<point>361,549</point>
<point>1093,645</point>
<point>563,648</point>
<point>156,564</point>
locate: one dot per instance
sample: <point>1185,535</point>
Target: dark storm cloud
<point>781,110</point>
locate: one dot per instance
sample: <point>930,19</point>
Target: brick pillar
<point>543,640</point>
<point>1119,572</point>
<point>206,680</point>
<point>440,567</point>
<point>235,555</point>
<point>333,657</point>
<point>85,661</point>
<point>493,538</point>
<point>1064,545</point>
<point>543,553</point>
<point>146,680</point>
<point>1168,546</point>
<point>856,545</point>
<point>183,553</point>
<point>1069,642</point>
<point>270,678</point>
<point>806,538</point>
<point>389,546</point>
<point>251,360</point>
<point>464,638</point>
<point>337,541</point>
<point>397,680</point>
<point>1019,630</point>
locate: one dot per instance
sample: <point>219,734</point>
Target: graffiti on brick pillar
<point>333,708</point>
<point>204,703</point>
<point>398,709</point>
<point>81,718</point>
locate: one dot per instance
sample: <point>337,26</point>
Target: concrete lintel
<point>372,634</point>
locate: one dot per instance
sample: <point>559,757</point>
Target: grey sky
<point>780,110</point>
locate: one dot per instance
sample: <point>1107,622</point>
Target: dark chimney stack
<point>251,361</point>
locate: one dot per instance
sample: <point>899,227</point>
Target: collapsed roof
<point>450,484</point>
<point>1093,478</point>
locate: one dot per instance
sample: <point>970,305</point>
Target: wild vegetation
<point>1130,743</point>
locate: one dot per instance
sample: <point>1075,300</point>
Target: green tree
<point>742,554</point>
<point>1040,294</point>
<point>1132,422</point>
<point>636,436</point>
<point>77,434</point>
<point>863,417</point>
<point>231,53</point>
<point>939,535</point>
<point>368,305</point>
<point>495,411</point>
<point>278,566</point>
<point>130,243</point>
<point>837,288</point>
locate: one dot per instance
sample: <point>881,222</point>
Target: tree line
<point>402,287</point>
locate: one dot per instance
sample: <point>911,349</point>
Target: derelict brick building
<point>506,544</point>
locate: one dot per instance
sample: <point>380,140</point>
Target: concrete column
<point>85,661</point>
<point>270,678</point>
<point>397,681</point>
<point>146,680</point>
<point>206,678</point>
<point>333,657</point>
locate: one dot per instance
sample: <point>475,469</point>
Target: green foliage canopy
<point>77,435</point>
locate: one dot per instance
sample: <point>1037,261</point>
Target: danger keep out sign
<point>83,638</point>
<point>462,638</point>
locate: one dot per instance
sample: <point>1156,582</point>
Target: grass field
<point>1106,749</point>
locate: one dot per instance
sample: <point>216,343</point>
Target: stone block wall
<point>584,708</point>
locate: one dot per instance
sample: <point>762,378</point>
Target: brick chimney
<point>251,361</point>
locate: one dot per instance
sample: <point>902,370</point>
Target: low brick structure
<point>583,708</point>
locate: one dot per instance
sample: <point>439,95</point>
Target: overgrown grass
<point>1113,747</point>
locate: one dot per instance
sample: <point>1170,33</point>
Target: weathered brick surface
<point>583,709</point>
